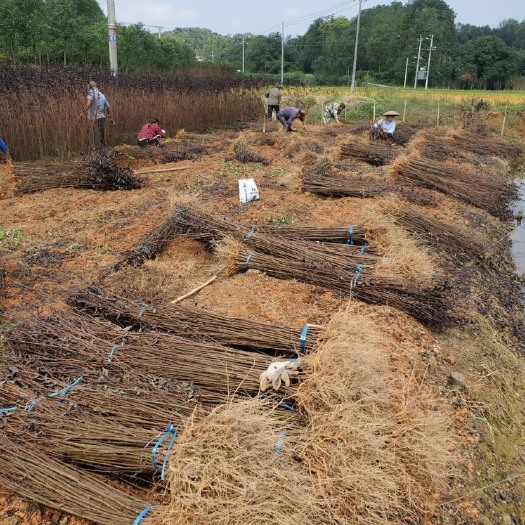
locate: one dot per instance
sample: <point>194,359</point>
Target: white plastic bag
<point>248,190</point>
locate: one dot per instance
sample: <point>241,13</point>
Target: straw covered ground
<point>379,274</point>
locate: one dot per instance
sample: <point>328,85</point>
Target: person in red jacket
<point>151,133</point>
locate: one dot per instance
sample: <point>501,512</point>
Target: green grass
<point>13,235</point>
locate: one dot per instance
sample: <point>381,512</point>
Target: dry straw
<point>378,449</point>
<point>239,466</point>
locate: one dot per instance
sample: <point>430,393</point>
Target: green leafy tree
<point>488,62</point>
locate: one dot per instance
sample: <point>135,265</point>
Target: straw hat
<point>391,114</point>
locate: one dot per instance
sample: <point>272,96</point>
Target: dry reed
<point>194,323</point>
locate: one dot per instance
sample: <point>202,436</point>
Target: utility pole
<point>355,49</point>
<point>282,54</point>
<point>243,52</point>
<point>112,37</point>
<point>418,58</point>
<point>428,65</point>
<point>406,71</point>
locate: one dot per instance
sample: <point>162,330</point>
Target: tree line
<point>463,55</point>
<point>74,33</point>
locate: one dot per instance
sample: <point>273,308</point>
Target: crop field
<point>345,348</point>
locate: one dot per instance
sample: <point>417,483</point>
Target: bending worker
<point>386,125</point>
<point>333,110</point>
<point>287,115</point>
<point>151,133</point>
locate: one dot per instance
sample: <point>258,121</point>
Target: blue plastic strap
<point>170,430</point>
<point>247,238</point>
<point>279,445</point>
<point>32,405</point>
<point>143,308</point>
<point>248,259</point>
<point>66,389</point>
<point>350,233</point>
<point>363,248</point>
<point>287,406</point>
<point>357,274</point>
<point>112,352</point>
<point>141,516</point>
<point>8,409</point>
<point>145,249</point>
<point>302,340</point>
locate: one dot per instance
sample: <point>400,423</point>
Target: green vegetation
<point>13,235</point>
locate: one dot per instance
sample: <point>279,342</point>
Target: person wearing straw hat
<point>386,126</point>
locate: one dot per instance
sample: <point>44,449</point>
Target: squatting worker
<point>273,100</point>
<point>287,115</point>
<point>386,125</point>
<point>5,150</point>
<point>98,109</point>
<point>333,110</point>
<point>151,133</point>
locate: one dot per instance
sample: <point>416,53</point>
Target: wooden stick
<point>195,290</point>
<point>175,168</point>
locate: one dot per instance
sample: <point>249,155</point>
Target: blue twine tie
<point>8,409</point>
<point>143,308</point>
<point>32,405</point>
<point>252,231</point>
<point>145,249</point>
<point>350,233</point>
<point>140,517</point>
<point>363,248</point>
<point>170,430</point>
<point>66,389</point>
<point>248,259</point>
<point>279,445</point>
<point>357,274</point>
<point>302,340</point>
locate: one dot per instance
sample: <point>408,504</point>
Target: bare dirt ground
<point>67,238</point>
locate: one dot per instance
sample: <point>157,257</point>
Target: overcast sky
<point>248,16</point>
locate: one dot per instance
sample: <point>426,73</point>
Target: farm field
<point>386,266</point>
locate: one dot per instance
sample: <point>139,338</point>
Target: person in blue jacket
<point>5,150</point>
<point>287,115</point>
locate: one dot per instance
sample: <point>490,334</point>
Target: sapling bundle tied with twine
<point>81,345</point>
<point>194,323</point>
<point>376,154</point>
<point>209,228</point>
<point>477,189</point>
<point>337,185</point>
<point>494,146</point>
<point>31,474</point>
<point>426,302</point>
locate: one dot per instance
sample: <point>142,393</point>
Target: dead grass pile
<point>95,172</point>
<point>378,449</point>
<point>7,180</point>
<point>376,154</point>
<point>239,466</point>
